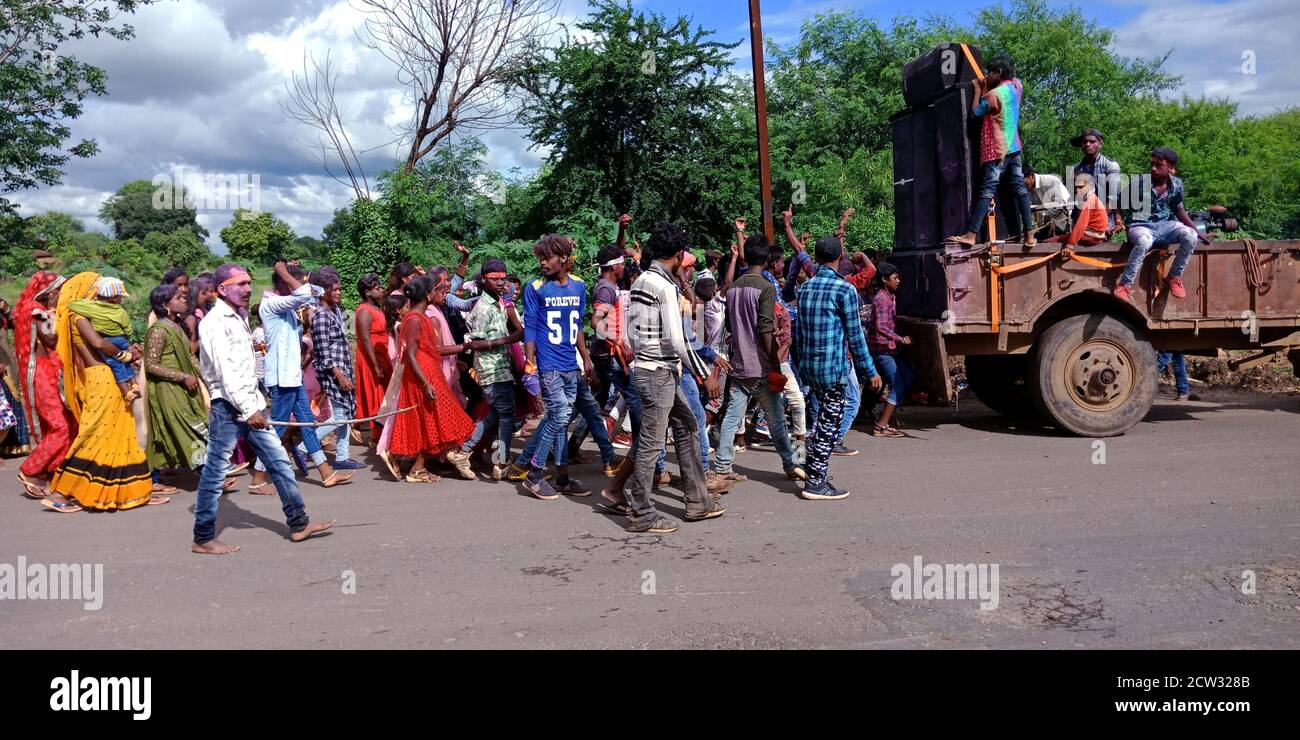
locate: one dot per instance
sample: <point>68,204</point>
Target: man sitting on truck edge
<point>998,97</point>
<point>1104,172</point>
<point>1162,221</point>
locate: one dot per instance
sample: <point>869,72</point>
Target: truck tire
<point>1093,375</point>
<point>1001,382</point>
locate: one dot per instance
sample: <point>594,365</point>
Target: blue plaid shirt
<point>828,315</point>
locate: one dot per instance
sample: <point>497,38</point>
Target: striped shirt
<point>654,325</point>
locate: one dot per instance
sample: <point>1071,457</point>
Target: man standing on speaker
<point>997,99</point>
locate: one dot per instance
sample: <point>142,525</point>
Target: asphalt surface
<point>1146,550</point>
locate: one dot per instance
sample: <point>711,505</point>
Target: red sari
<point>432,427</point>
<point>370,393</point>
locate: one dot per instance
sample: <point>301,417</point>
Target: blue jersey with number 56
<point>553,321</point>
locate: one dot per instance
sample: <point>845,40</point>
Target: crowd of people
<point>434,374</point>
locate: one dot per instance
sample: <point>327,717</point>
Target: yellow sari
<point>105,468</point>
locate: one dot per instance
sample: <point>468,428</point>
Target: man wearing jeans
<point>226,360</point>
<point>755,361</point>
<point>333,357</point>
<point>659,349</point>
<point>1160,221</point>
<point>491,331</point>
<point>997,100</point>
<point>279,314</point>
<point>828,315</point>
<point>553,311</point>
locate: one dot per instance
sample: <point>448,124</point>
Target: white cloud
<point>1211,43</point>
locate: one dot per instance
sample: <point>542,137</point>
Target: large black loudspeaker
<point>936,148</point>
<point>937,71</point>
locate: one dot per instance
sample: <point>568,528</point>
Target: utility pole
<point>760,113</point>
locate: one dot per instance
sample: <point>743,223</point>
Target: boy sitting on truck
<point>1161,221</point>
<point>1089,216</point>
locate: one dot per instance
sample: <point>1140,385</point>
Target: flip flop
<point>32,489</point>
<point>229,485</point>
<point>61,508</point>
<point>155,500</point>
<point>164,489</point>
<point>422,476</point>
<point>257,488</point>
<point>609,507</point>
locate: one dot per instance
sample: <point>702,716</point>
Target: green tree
<point>41,90</point>
<point>180,247</point>
<point>256,238</point>
<point>138,207</point>
<point>372,245</point>
<point>646,134</point>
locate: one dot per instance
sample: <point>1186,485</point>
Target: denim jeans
<point>896,374</point>
<point>741,391</point>
<point>292,402</point>
<point>589,413</point>
<point>663,402</point>
<point>1160,234</point>
<point>223,432</point>
<point>604,385</point>
<point>501,412</point>
<point>994,172</point>
<point>852,403</point>
<point>559,392</point>
<point>342,432</point>
<point>1179,361</point>
<point>691,390</point>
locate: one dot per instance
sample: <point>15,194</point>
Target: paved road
<point>1145,550</point>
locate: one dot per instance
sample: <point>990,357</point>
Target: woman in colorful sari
<point>178,418</point>
<point>52,425</point>
<point>105,468</point>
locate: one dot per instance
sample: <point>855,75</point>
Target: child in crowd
<point>110,319</point>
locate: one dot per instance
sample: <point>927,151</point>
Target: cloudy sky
<point>198,87</point>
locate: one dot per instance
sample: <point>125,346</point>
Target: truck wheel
<point>1093,375</point>
<point>1001,382</point>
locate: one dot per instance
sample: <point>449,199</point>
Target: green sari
<point>178,420</point>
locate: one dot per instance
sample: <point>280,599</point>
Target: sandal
<point>607,505</point>
<point>158,500</point>
<point>391,463</point>
<point>257,489</point>
<point>162,488</point>
<point>879,431</point>
<point>32,489</point>
<point>60,507</point>
<point>421,476</point>
<point>229,484</point>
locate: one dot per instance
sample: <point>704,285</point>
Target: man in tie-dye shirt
<point>997,101</point>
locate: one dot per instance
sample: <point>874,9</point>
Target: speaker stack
<point>937,150</point>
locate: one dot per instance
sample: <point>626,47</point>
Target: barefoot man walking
<point>226,358</point>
